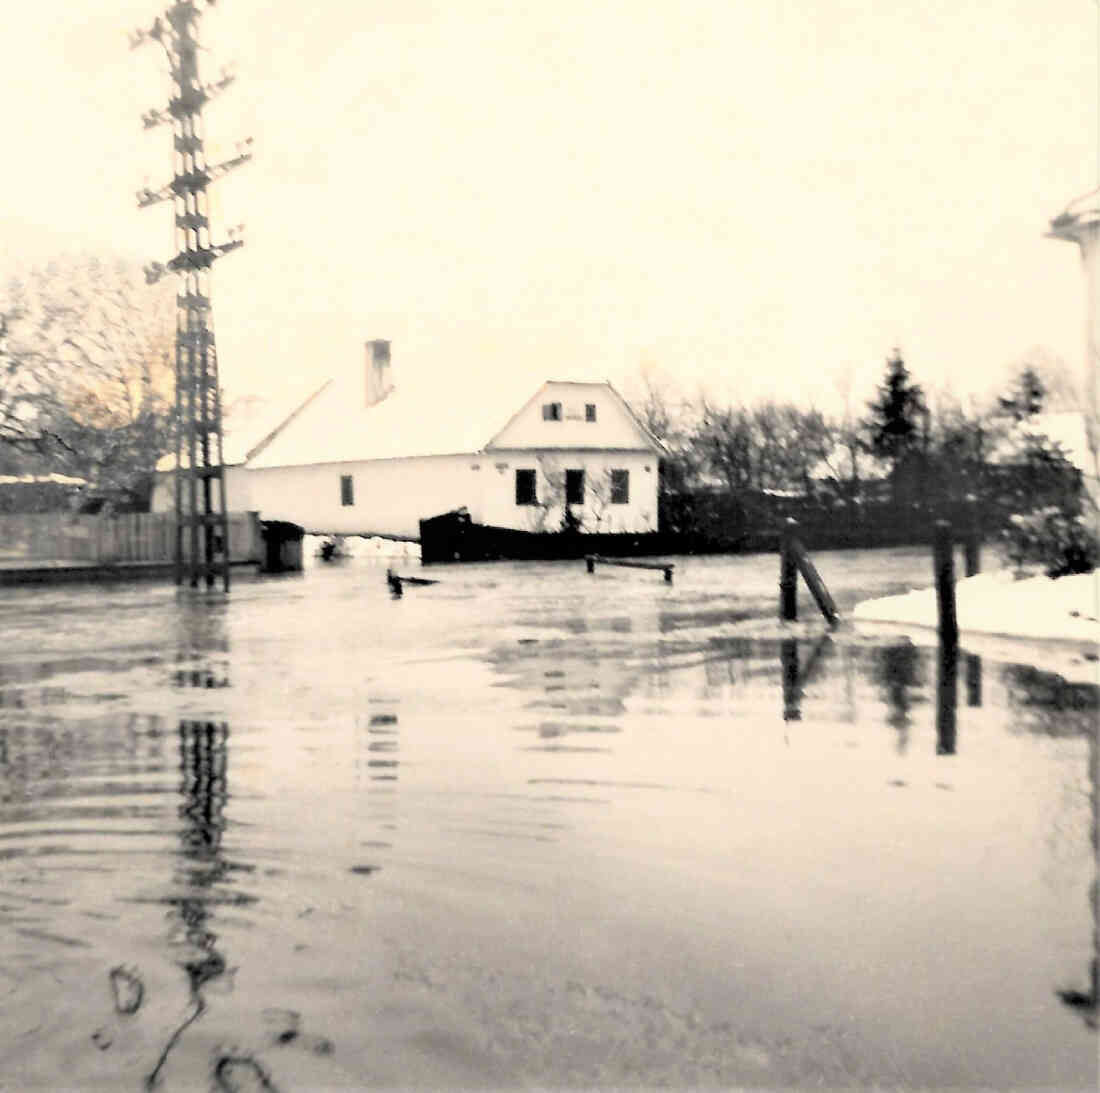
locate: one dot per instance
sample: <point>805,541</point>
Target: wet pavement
<point>534,827</point>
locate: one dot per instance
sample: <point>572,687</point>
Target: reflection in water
<point>973,680</point>
<point>792,692</point>
<point>947,696</point>
<point>1046,703</point>
<point>379,769</point>
<point>203,759</point>
<point>898,671</point>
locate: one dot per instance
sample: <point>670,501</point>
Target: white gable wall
<point>614,427</point>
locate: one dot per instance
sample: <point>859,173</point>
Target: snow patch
<point>1064,609</point>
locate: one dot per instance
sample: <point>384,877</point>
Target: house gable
<point>577,416</point>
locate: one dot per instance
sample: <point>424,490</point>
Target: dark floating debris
<point>284,1025</point>
<point>241,1074</point>
<point>365,870</point>
<point>397,582</point>
<point>102,1039</point>
<point>128,990</point>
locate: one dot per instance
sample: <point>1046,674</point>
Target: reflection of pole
<point>947,697</point>
<point>973,680</point>
<point>792,694</point>
<point>203,788</point>
<point>1086,1001</point>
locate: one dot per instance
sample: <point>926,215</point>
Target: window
<point>525,488</point>
<point>347,490</point>
<point>574,487</point>
<point>589,411</point>
<point>620,487</point>
<point>551,411</point>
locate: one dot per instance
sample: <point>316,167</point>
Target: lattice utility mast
<point>202,526</point>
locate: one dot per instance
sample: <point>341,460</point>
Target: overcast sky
<point>755,197</point>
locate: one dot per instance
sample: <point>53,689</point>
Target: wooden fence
<point>131,537</point>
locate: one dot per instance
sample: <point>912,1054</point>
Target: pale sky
<point>755,197</point>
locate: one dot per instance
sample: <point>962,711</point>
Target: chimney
<point>379,383</point>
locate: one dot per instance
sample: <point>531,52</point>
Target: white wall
<point>614,428</point>
<point>598,514</point>
<point>392,496</point>
<point>237,482</point>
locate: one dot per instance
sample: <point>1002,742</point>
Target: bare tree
<point>88,372</point>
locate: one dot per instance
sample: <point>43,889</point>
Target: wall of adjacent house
<point>237,482</point>
<point>387,496</point>
<point>392,496</point>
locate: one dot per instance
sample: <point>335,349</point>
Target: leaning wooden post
<point>788,572</point>
<point>944,563</point>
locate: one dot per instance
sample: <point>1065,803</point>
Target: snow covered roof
<point>39,479</point>
<point>254,423</point>
<point>449,416</point>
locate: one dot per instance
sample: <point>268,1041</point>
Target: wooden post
<point>668,574</point>
<point>973,547</point>
<point>788,572</point>
<point>944,564</point>
<point>816,585</point>
<point>590,562</point>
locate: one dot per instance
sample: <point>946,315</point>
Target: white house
<point>366,456</point>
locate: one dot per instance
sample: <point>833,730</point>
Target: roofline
<point>656,446</point>
<point>481,453</point>
<point>257,448</point>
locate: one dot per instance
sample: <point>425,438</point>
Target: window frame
<point>347,491</point>
<point>551,411</point>
<point>590,412</point>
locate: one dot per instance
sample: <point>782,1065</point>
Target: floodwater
<point>534,827</point>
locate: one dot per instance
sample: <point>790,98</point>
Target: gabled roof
<point>251,428</point>
<point>645,439</point>
<point>451,416</point>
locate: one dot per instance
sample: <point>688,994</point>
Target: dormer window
<point>551,411</point>
<point>589,411</point>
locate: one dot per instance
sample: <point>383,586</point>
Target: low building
<point>366,456</point>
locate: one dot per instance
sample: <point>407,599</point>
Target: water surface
<point>530,826</point>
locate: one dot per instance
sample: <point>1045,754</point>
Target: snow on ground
<point>1038,610</point>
